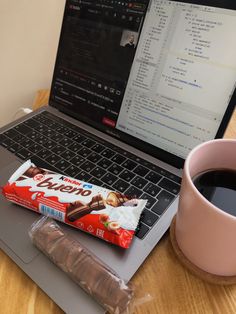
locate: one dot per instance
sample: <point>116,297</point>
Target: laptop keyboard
<point>53,143</point>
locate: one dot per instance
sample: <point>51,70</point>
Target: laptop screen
<point>159,75</point>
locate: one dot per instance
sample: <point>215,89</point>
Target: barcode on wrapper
<point>52,212</point>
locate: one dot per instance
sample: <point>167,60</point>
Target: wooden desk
<point>173,288</point>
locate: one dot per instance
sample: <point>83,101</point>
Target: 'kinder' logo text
<point>50,185</point>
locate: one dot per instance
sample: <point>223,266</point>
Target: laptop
<point>136,86</point>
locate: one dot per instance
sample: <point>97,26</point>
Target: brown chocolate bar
<point>89,273</point>
<point>97,203</point>
<point>78,209</point>
<point>116,199</point>
<point>32,171</point>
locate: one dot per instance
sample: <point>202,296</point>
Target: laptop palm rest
<point>15,222</point>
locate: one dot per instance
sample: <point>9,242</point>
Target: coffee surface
<point>219,188</point>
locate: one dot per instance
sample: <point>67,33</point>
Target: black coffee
<point>219,188</point>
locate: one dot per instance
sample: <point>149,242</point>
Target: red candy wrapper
<point>103,213</point>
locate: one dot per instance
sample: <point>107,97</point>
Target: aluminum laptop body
<point>153,78</point>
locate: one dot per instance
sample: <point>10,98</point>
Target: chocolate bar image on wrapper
<point>116,199</point>
<point>78,209</point>
<point>82,266</point>
<point>31,172</point>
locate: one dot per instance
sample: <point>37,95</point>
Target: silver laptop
<point>136,86</point>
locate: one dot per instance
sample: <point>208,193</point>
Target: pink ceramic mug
<point>205,234</point>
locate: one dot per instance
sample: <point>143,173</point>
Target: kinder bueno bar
<point>101,212</point>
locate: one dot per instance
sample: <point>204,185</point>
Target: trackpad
<point>15,222</point>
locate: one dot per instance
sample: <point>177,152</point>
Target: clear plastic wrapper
<point>82,266</point>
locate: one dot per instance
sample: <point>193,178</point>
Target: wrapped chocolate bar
<point>101,212</point>
<point>82,266</point>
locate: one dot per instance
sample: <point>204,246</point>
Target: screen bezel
<point>128,139</point>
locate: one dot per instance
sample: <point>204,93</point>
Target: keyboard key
<point>108,153</point>
<point>40,139</point>
<point>77,160</point>
<point>65,141</point>
<point>120,185</point>
<point>27,143</point>
<point>41,127</point>
<point>49,144</point>
<point>164,200</point>
<point>109,178</point>
<point>2,138</point>
<point>83,176</point>
<point>141,171</point>
<point>79,138</point>
<point>53,159</point>
<point>44,153</point>
<point>104,163</point>
<point>153,177</point>
<point>48,132</point>
<point>33,135</point>
<point>133,191</point>
<point>115,169</point>
<point>58,149</point>
<point>41,116</point>
<point>75,147</point>
<point>24,154</point>
<point>106,186</point>
<point>32,123</point>
<point>72,171</point>
<point>88,143</point>
<point>127,175</point>
<point>129,164</point>
<point>149,218</point>
<point>35,148</point>
<point>61,129</point>
<point>62,165</point>
<point>94,157</point>
<point>150,200</point>
<point>15,148</point>
<point>169,186</point>
<point>152,189</point>
<point>98,148</point>
<point>11,133</point>
<point>19,138</point>
<point>87,166</point>
<point>68,155</point>
<point>84,152</point>
<point>56,137</point>
<point>43,164</point>
<point>95,181</point>
<point>6,142</point>
<point>98,172</point>
<point>118,159</point>
<point>70,133</point>
<point>139,182</point>
<point>51,123</point>
<point>22,128</point>
<point>142,230</point>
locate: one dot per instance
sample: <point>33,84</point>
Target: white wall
<point>29,33</point>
